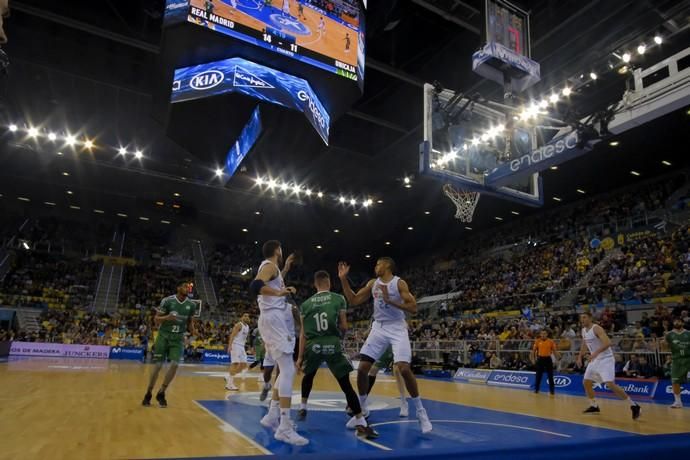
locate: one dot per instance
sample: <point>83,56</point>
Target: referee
<point>543,348</point>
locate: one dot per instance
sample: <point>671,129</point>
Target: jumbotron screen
<point>328,34</point>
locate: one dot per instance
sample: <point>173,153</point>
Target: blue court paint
<point>465,428</point>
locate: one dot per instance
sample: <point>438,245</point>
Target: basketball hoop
<point>465,201</point>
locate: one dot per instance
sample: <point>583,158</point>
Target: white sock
<point>363,401</point>
<point>360,421</point>
<point>631,402</point>
<point>230,380</point>
<point>275,406</point>
<point>677,399</point>
<point>593,403</point>
<point>303,406</point>
<point>417,403</point>
<point>285,418</point>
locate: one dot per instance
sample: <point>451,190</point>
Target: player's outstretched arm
<point>353,298</point>
<point>288,265</point>
<point>409,303</point>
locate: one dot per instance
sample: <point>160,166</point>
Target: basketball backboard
<point>465,142</point>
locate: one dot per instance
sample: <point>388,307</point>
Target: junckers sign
<point>254,80</point>
<point>59,350</point>
<point>559,150</point>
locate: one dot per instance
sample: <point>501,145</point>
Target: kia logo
<point>207,80</point>
<point>562,381</point>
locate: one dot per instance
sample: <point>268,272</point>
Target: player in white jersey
<point>392,298</point>
<point>277,328</point>
<point>286,7</point>
<point>602,365</point>
<point>236,349</point>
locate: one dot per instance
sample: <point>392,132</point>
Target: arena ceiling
<point>89,67</point>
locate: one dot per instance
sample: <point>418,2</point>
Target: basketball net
<point>465,202</point>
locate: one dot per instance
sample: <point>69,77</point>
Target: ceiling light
<point>69,192</point>
<point>665,163</point>
<point>468,228</point>
<point>219,172</point>
<point>58,153</point>
<point>258,213</point>
<point>634,173</point>
<point>296,189</point>
<point>336,230</point>
<point>624,69</point>
<point>658,40</point>
<point>318,246</point>
<point>167,222</point>
<point>641,49</point>
<point>122,151</point>
<point>307,192</point>
<point>52,136</point>
<point>379,201</point>
<point>408,186</point>
<point>592,75</point>
<point>626,57</point>
<point>475,141</point>
<point>33,132</point>
<point>144,218</point>
<point>554,168</point>
<point>580,191</point>
<point>245,230</point>
<point>13,128</point>
<point>356,214</point>
<point>70,140</point>
<point>160,203</point>
<point>353,202</point>
<point>259,181</point>
<point>272,184</point>
<point>410,228</point>
<point>121,214</point>
<point>176,194</point>
<point>427,212</point>
<point>556,198</point>
<point>75,207</point>
<point>176,206</point>
<point>387,243</point>
<point>88,144</point>
<point>515,213</point>
<point>553,98</point>
<point>341,199</point>
<point>139,154</point>
<point>22,198</point>
<point>498,218</point>
<point>320,194</point>
<point>65,173</point>
<point>368,256</point>
<point>614,143</point>
<point>49,203</point>
<point>284,187</point>
<point>406,180</point>
<point>99,211</point>
<point>567,91</point>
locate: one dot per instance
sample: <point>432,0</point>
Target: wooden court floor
<point>52,408</point>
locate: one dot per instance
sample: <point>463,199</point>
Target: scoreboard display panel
<point>328,34</point>
<point>507,25</point>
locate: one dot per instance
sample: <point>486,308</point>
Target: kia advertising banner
<point>59,350</point>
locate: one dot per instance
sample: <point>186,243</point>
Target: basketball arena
<point>344,229</point>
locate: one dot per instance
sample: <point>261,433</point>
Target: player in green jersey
<point>175,315</point>
<point>323,318</point>
<point>679,342</point>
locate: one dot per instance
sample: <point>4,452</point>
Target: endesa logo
<point>511,378</point>
<point>313,108</point>
<point>561,381</point>
<point>569,142</point>
<point>207,80</point>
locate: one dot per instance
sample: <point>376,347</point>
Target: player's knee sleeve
<point>287,375</point>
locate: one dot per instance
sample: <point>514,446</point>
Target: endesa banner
<point>254,80</point>
<point>59,350</point>
<point>513,379</point>
<point>127,353</point>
